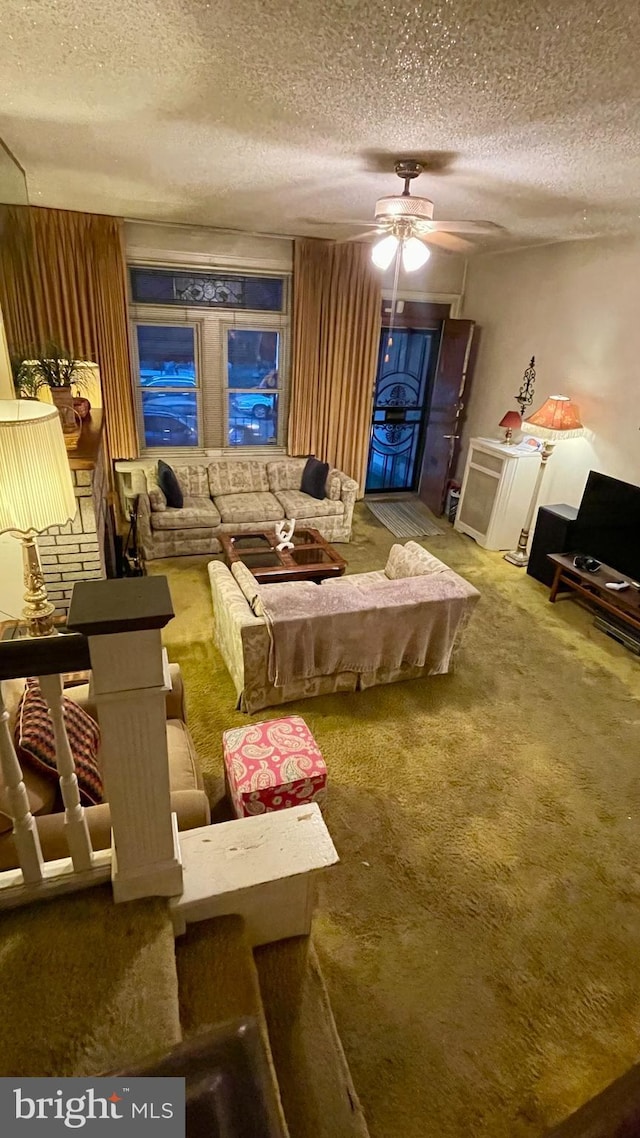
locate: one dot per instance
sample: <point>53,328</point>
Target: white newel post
<point>75,822</point>
<point>25,831</point>
<point>122,620</point>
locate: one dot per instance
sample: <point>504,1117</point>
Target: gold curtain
<point>63,279</point>
<point>336,332</point>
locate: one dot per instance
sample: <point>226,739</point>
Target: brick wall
<point>75,552</point>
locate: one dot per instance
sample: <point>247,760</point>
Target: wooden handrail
<point>43,655</point>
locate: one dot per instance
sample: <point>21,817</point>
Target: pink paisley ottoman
<point>272,765</point>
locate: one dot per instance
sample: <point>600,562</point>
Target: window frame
<point>212,324</point>
<point>135,323</point>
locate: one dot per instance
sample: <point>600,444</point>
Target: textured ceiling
<point>263,114</point>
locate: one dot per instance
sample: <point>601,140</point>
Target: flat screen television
<point>608,523</point>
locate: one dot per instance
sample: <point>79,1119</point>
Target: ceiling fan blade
<point>341,221</point>
<point>448,241</point>
<point>464,226</point>
<point>367,236</point>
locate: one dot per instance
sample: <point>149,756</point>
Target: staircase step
<point>86,986</point>
<point>317,1091</point>
<point>219,978</point>
<point>218,981</point>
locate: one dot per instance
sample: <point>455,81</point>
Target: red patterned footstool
<point>272,765</point>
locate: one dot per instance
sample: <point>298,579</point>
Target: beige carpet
<point>85,985</point>
<point>481,936</point>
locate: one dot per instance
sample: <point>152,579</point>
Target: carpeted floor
<point>481,936</point>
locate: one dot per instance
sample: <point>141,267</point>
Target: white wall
<point>198,245</point>
<point>576,307</point>
<point>181,244</point>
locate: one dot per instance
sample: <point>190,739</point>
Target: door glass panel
<point>402,387</point>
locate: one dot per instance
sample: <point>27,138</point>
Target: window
<point>207,290</point>
<point>210,353</point>
<point>168,384</point>
<point>252,386</point>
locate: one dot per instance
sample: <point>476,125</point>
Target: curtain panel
<point>336,333</point>
<point>63,279</point>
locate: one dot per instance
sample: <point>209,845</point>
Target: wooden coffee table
<point>593,587</point>
<point>311,559</point>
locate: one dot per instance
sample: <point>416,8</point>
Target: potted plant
<point>27,380</point>
<point>66,378</point>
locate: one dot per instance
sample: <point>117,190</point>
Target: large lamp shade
<point>558,418</point>
<point>36,490</point>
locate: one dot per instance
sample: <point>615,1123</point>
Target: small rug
<point>405,519</point>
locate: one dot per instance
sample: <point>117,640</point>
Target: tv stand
<point>624,606</point>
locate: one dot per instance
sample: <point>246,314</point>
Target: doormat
<point>405,519</point>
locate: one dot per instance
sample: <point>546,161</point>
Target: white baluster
<point>75,822</point>
<point>25,831</point>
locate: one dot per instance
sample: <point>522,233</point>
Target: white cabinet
<point>496,491</point>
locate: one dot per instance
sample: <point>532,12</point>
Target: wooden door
<point>449,394</point>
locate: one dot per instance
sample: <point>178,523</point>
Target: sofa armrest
<point>232,621</point>
<point>143,526</point>
<point>349,488</point>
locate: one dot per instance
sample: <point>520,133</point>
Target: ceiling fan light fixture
<point>414,254</point>
<point>384,251</point>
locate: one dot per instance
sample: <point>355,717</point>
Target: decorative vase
<point>71,422</point>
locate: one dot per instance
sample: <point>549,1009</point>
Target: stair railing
<point>116,633</point>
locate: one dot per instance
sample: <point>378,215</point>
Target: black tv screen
<point>608,523</point>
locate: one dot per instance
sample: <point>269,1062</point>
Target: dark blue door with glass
<point>401,402</point>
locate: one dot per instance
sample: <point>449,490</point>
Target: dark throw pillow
<point>35,741</point>
<point>169,485</point>
<point>314,477</point>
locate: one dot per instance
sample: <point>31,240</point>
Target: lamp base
<point>517,557</point>
<point>38,610</point>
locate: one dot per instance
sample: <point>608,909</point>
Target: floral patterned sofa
<point>237,496</point>
<point>402,622</point>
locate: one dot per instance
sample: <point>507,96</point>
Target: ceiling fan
<point>405,222</point>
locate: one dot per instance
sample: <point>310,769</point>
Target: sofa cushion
<point>362,581</point>
<point>411,560</point>
<point>35,741</point>
<point>314,477</point>
<point>196,513</point>
<point>298,505</point>
<point>250,587</point>
<point>256,507</point>
<point>193,479</point>
<point>41,792</point>
<point>285,473</point>
<point>237,477</point>
<point>184,768</point>
<point>170,486</point>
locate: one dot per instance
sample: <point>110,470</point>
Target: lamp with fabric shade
<point>36,492</point>
<point>511,422</point>
<point>557,419</point>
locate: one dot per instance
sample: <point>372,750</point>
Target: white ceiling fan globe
<point>414,254</point>
<point>384,251</point>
